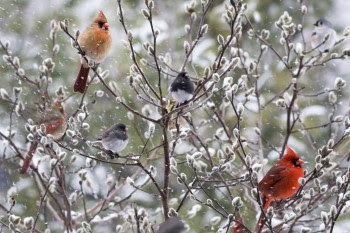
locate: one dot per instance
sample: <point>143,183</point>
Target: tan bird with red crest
<point>95,41</point>
<point>54,120</point>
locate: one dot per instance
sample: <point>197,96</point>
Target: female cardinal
<point>95,41</point>
<point>281,181</point>
<point>55,123</point>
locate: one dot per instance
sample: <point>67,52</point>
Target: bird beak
<point>105,26</point>
<point>300,162</point>
<point>315,24</point>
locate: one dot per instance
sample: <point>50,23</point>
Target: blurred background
<point>26,24</point>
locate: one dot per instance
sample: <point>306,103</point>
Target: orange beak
<point>105,26</point>
<point>300,162</point>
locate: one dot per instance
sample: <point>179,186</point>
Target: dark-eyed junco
<point>182,88</point>
<point>172,225</point>
<point>115,138</point>
<point>323,28</point>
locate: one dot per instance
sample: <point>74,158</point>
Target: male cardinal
<point>55,123</point>
<point>281,181</point>
<point>95,41</point>
<point>182,88</point>
<point>115,139</point>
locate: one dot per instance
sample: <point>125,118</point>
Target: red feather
<point>280,182</point>
<point>80,82</point>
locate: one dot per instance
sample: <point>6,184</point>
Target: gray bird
<point>182,88</point>
<point>172,225</point>
<point>323,28</point>
<point>115,138</point>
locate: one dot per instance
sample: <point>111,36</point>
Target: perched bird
<point>55,123</point>
<point>281,181</point>
<point>95,41</point>
<point>172,225</point>
<point>182,88</point>
<point>115,138</point>
<point>323,28</point>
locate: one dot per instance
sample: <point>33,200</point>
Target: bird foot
<point>112,155</point>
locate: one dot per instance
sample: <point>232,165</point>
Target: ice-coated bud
<point>299,49</point>
<point>346,31</point>
<point>86,226</point>
<point>15,220</point>
<point>130,181</point>
<point>220,39</point>
<point>7,44</point>
<point>248,160</point>
<point>130,36</point>
<point>28,222</point>
<point>240,109</point>
<point>237,202</point>
<point>145,13</point>
<point>187,46</point>
<point>332,97</point>
<point>345,52</point>
<point>324,217</point>
<point>173,169</point>
<point>197,155</point>
<point>254,193</point>
<point>119,229</point>
<point>305,230</point>
<point>257,131</point>
<point>209,202</point>
<point>215,220</point>
<point>265,34</point>
<point>338,118</point>
<point>172,212</point>
<point>204,29</point>
<point>303,9</point>
<point>339,83</point>
<point>236,133</point>
<point>216,77</point>
<point>4,95</point>
<point>330,143</point>
<point>269,212</point>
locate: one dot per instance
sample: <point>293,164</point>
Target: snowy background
<point>26,24</point>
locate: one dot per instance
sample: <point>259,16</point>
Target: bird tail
<point>266,201</point>
<point>80,82</point>
<point>28,158</point>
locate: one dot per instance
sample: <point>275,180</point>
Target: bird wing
<point>52,120</point>
<point>172,225</point>
<point>273,176</point>
<point>114,133</point>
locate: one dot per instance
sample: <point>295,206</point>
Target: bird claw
<point>112,155</point>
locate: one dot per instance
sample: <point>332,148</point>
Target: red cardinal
<point>96,42</point>
<point>281,181</point>
<point>54,120</point>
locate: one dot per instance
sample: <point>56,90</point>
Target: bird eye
<point>100,24</point>
<point>296,162</point>
<point>321,22</point>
